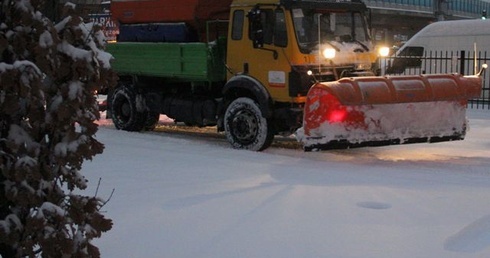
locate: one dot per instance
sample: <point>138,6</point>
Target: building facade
<point>395,21</point>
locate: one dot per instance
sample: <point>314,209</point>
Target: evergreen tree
<point>48,76</point>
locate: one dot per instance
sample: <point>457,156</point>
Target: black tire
<point>245,127</point>
<point>126,114</point>
<point>151,122</point>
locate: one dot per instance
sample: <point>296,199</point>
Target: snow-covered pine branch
<point>48,77</point>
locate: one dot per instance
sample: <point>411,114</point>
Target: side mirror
<point>256,28</point>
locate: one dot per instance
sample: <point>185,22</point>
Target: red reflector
<point>337,116</point>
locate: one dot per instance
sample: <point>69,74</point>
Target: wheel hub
<point>125,109</point>
<point>244,126</point>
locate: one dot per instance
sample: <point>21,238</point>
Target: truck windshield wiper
<point>333,46</point>
<point>361,44</point>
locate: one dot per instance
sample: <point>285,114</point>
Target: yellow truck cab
<point>277,42</point>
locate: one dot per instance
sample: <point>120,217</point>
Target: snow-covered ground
<point>185,196</point>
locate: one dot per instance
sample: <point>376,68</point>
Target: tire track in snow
<point>472,238</point>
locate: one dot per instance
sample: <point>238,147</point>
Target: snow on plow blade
<point>377,111</point>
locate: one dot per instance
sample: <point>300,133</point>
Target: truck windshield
<point>337,29</point>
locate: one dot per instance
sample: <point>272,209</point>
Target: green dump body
<point>185,62</point>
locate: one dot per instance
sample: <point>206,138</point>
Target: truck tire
<point>125,113</point>
<point>245,127</point>
<point>151,121</point>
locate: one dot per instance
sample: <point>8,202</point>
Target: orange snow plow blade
<point>377,111</point>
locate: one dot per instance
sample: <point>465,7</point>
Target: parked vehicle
<point>445,38</point>
<point>252,76</point>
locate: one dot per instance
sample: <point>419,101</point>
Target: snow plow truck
<point>260,68</point>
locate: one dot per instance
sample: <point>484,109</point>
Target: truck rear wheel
<point>245,127</point>
<point>125,113</point>
<point>151,121</point>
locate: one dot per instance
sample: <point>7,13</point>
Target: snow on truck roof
<point>455,28</point>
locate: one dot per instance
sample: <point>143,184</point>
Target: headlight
<point>384,51</point>
<point>329,53</point>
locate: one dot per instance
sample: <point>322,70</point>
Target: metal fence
<point>431,62</point>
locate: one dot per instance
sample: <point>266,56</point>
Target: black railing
<point>433,62</point>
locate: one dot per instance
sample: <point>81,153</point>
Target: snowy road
<point>181,197</point>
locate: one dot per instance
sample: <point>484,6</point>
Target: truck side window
<point>237,26</point>
<point>280,33</point>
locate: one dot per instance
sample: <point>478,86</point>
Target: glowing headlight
<point>384,51</point>
<point>329,53</point>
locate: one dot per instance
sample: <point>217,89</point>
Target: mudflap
<point>379,111</point>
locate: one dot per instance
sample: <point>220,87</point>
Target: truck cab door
<point>260,52</point>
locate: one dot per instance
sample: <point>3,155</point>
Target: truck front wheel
<point>245,127</point>
<point>125,113</point>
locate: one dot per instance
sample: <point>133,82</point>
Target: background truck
<point>256,69</point>
<point>249,75</point>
